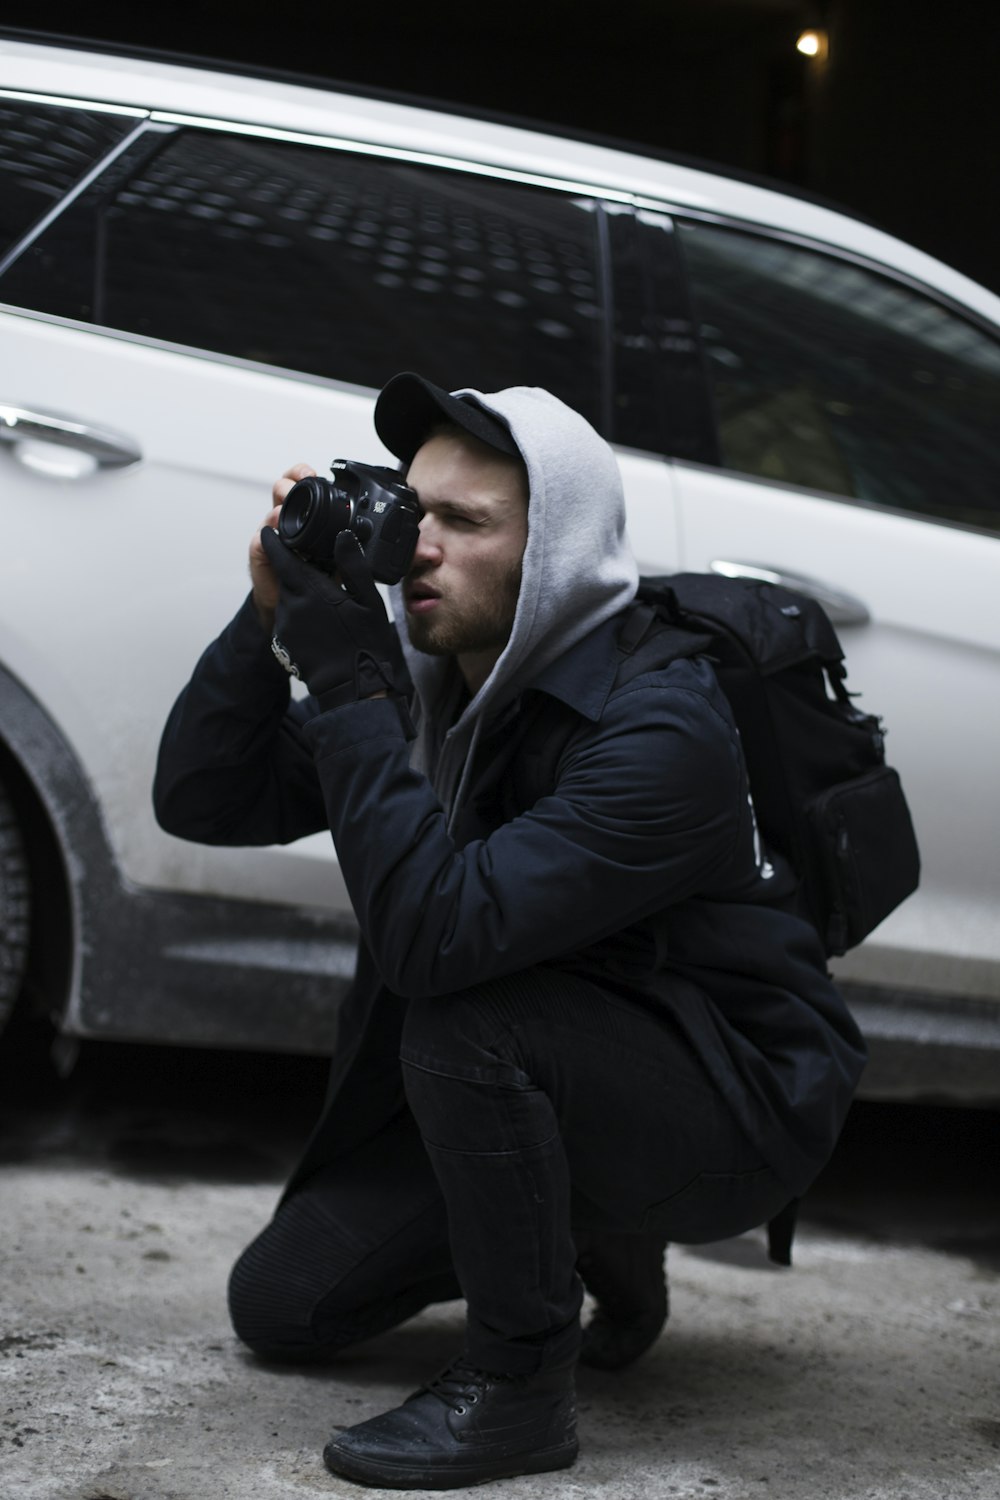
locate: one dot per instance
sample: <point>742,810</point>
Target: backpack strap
<point>649,639</point>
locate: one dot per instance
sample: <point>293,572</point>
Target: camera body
<point>372,501</point>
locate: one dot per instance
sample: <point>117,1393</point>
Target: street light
<point>812,43</point>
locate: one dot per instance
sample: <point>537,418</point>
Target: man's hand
<point>262,576</point>
<point>338,635</point>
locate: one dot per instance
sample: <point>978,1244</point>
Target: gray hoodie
<point>578,570</point>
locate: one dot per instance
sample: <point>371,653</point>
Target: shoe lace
<point>460,1384</point>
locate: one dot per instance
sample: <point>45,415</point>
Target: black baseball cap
<point>409,406</point>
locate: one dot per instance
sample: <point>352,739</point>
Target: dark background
<point>898,124</point>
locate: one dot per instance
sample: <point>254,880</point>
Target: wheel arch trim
<point>67,800</point>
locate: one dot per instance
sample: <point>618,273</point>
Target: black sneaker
<point>464,1427</point>
<point>625,1275</point>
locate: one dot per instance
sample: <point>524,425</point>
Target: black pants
<point>538,1104</point>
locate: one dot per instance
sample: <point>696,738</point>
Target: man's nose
<point>428,549</point>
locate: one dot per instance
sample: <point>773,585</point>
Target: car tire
<point>15,908</point>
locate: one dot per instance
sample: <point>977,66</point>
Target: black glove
<point>339,639</point>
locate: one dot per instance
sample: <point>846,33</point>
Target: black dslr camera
<point>373,502</point>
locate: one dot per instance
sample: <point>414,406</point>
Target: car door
<point>118,572</point>
<point>857,426</point>
<point>200,308</point>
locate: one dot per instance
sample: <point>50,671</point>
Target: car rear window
<point>830,375</point>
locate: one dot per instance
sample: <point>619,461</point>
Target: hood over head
<point>577,571</point>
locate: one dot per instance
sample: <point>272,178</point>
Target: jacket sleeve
<point>234,766</point>
<point>649,808</point>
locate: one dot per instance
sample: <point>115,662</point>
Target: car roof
<point>210,92</point>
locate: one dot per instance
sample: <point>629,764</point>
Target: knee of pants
<point>272,1298</point>
<point>261,1316</point>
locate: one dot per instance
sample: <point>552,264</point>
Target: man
<point>587,1018</point>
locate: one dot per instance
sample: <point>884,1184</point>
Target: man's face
<point>461,591</point>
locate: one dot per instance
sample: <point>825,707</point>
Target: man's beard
<point>484,625</point>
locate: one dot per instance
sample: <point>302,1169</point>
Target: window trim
<point>392,153</point>
<point>919,517</point>
<point>62,101</point>
<point>186,351</point>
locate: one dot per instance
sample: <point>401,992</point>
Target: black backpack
<point>823,794</point>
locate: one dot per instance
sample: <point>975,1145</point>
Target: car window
<point>332,264</point>
<point>829,375</point>
<point>44,151</point>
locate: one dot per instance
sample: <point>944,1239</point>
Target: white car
<point>205,276</point>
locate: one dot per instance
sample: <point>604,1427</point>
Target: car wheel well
<point>46,972</point>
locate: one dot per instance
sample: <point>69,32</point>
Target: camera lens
<point>300,504</point>
<point>314,511</point>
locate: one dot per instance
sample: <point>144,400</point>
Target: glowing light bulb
<point>811,43</point>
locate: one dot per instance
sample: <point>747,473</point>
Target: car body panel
<point>168,568</point>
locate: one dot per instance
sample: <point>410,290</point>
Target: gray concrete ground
<point>868,1370</point>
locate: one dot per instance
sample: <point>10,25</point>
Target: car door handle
<point>106,449</point>
<point>843,608</point>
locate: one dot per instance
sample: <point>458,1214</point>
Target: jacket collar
<point>583,676</point>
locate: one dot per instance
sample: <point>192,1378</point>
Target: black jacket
<point>627,857</point>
